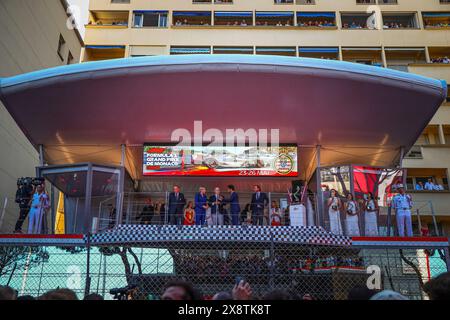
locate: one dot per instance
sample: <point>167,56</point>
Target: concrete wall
<point>29,37</point>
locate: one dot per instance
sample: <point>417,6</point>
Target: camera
<point>334,207</point>
<point>123,293</point>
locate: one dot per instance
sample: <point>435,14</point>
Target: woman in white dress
<point>351,220</point>
<point>39,205</point>
<point>370,216</point>
<point>334,212</point>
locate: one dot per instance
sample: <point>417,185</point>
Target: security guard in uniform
<point>402,204</point>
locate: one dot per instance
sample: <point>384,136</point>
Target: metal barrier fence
<point>324,272</point>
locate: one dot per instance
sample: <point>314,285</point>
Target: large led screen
<point>220,161</point>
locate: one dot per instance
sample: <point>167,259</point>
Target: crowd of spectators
<point>437,288</point>
<point>395,25</point>
<point>259,265</point>
<point>317,23</point>
<point>445,60</point>
<point>354,25</point>
<point>430,185</point>
<point>437,24</point>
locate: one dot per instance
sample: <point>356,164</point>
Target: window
<point>329,53</point>
<point>392,20</point>
<point>191,18</point>
<point>316,19</point>
<point>96,53</point>
<point>364,55</point>
<point>153,18</point>
<point>400,58</point>
<point>359,20</point>
<point>436,19</point>
<point>69,58</point>
<point>278,18</point>
<point>108,18</point>
<point>61,47</point>
<point>439,54</point>
<point>414,153</point>
<point>233,18</point>
<point>428,179</point>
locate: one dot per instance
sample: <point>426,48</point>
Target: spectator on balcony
<point>419,186</point>
<point>429,185</point>
<point>352,221</point>
<point>334,205</point>
<point>176,205</point>
<point>402,204</point>
<point>189,214</point>
<point>370,215</point>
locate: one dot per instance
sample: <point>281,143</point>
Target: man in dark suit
<point>176,206</point>
<point>259,202</point>
<point>235,208</point>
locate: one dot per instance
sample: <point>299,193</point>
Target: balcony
<point>150,19</point>
<point>233,18</point>
<point>395,20</point>
<point>277,51</point>
<point>275,19</point>
<point>112,19</point>
<point>358,20</point>
<point>364,55</point>
<point>439,54</point>
<point>316,20</point>
<point>400,58</point>
<point>191,18</point>
<point>96,53</point>
<point>329,53</point>
<point>436,20</point>
<point>427,179</point>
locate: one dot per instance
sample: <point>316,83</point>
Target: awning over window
<point>404,49</point>
<point>247,14</point>
<point>190,50</point>
<point>192,13</point>
<point>316,14</point>
<point>436,14</point>
<point>319,50</point>
<point>276,14</point>
<point>233,49</point>
<point>150,11</point>
<point>275,50</point>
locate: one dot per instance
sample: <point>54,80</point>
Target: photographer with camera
<point>24,193</point>
<point>39,203</point>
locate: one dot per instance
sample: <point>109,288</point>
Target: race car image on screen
<point>220,161</point>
